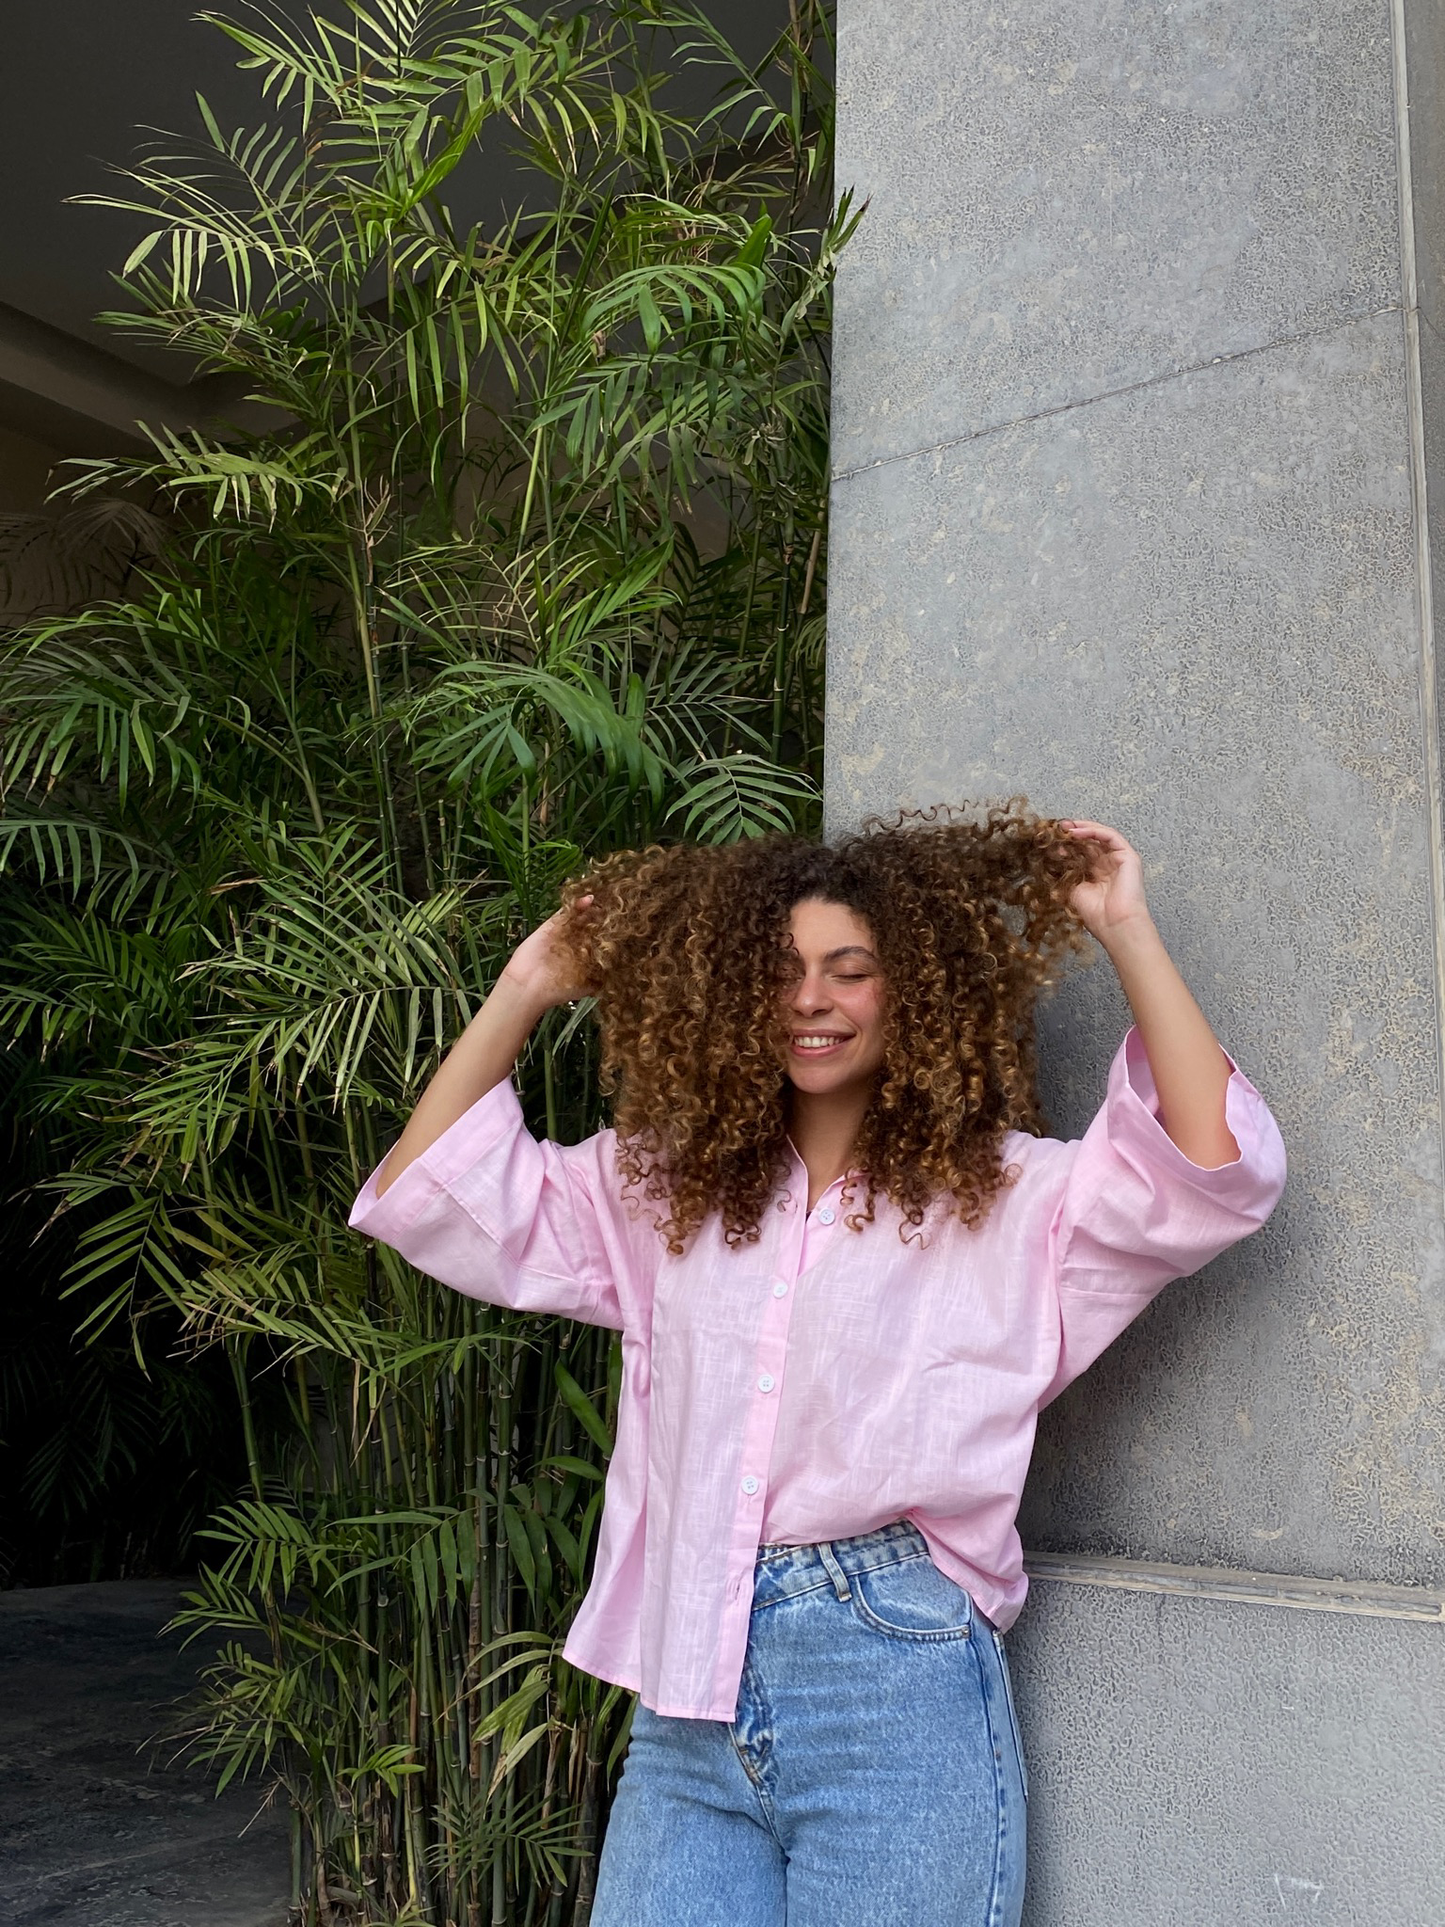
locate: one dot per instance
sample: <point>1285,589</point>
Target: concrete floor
<point>96,1828</point>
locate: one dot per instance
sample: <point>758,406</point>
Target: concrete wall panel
<point>1211,1765</point>
<point>1188,611</point>
<point>1424,60</point>
<point>1068,198</point>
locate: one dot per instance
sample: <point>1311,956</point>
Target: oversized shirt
<point>822,1381</point>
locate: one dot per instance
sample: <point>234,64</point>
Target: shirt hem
<point>629,1680</point>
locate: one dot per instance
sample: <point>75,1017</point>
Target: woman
<point>847,1273</point>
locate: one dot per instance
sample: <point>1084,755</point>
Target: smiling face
<point>833,1005</point>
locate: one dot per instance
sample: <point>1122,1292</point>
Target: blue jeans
<point>873,1772</point>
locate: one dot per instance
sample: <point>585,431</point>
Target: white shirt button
<point>750,1485</point>
<point>827,1214</point>
<point>780,1290</point>
<point>766,1382</point>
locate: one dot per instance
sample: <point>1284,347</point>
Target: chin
<point>818,1080</point>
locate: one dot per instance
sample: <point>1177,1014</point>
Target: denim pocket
<point>1013,1712</point>
<point>911,1599</point>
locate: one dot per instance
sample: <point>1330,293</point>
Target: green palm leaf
<point>727,798</point>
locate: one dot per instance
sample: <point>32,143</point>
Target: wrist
<point>519,998</point>
<point>1135,938</point>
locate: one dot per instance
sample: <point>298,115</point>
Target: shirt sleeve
<point>1135,1212</point>
<point>495,1214</point>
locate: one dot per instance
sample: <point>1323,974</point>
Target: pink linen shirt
<point>823,1381</point>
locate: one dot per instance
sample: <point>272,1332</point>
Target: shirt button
<point>766,1382</point>
<point>780,1290</point>
<point>826,1215</point>
<point>750,1485</point>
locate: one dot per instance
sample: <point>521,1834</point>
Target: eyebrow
<point>850,950</point>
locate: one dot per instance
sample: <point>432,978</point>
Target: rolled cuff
<point>1250,1183</point>
<point>489,1122</point>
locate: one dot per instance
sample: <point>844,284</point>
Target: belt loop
<point>834,1571</point>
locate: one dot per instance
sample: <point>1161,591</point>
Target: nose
<point>810,994</point>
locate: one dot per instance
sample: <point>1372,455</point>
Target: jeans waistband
<point>782,1570</point>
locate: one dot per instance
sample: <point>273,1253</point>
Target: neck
<point>824,1128</point>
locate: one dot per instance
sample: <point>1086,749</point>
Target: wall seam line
<point>1419,502</point>
<point>1115,394</point>
<point>1365,1599</point>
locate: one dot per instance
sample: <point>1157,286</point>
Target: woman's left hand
<point>1111,903</point>
<point>1191,1072</point>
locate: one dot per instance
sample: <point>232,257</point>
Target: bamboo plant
<point>518,557</point>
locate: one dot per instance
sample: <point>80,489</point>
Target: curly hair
<point>687,952</point>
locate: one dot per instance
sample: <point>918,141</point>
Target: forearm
<point>1191,1072</point>
<point>479,1060</point>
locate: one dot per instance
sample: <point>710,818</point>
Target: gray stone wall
<point>1138,509</point>
<point>1202,1763</point>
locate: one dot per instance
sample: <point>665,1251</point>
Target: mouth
<point>818,1043</point>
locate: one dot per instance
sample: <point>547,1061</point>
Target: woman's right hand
<point>537,975</point>
<point>540,969</point>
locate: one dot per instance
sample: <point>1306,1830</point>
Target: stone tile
<point>1200,1764</point>
<point>96,1824</point>
<point>1066,199</point>
<point>1191,610</point>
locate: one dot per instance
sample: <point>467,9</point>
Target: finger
<point>1106,841</point>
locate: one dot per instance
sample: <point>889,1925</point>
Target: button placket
<point>760,1418</point>
<point>760,1421</point>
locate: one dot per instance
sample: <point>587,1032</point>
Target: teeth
<point>816,1043</point>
